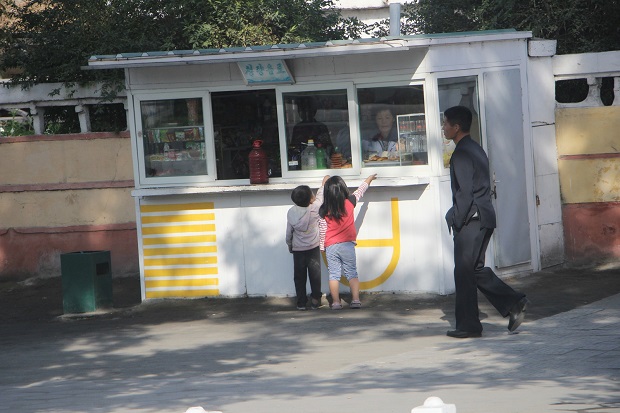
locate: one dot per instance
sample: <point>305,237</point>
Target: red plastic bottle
<point>259,164</point>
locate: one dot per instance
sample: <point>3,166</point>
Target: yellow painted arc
<point>176,207</point>
<point>393,242</point>
<point>176,229</point>
<point>159,219</point>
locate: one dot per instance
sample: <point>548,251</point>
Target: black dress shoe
<point>463,334</point>
<point>517,314</point>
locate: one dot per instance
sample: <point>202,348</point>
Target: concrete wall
<point>588,145</point>
<point>541,97</point>
<point>589,165</point>
<point>64,193</point>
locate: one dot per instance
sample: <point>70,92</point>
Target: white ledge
<point>280,186</point>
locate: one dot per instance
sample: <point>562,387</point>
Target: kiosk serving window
<point>323,118</point>
<point>393,126</point>
<point>240,118</point>
<point>173,137</point>
<point>192,137</point>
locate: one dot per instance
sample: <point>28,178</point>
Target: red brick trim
<point>67,186</point>
<point>589,156</point>
<point>66,137</point>
<point>128,226</point>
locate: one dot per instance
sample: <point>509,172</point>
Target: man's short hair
<point>302,195</point>
<point>459,115</point>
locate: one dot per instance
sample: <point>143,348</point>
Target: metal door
<point>505,143</point>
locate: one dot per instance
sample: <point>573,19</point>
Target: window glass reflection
<point>173,137</point>
<point>317,121</point>
<point>240,118</point>
<point>393,126</point>
<point>459,91</point>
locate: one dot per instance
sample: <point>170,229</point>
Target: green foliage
<point>61,120</point>
<point>105,118</point>
<point>16,126</point>
<point>51,39</point>
<point>579,26</point>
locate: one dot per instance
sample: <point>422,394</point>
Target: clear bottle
<point>308,156</point>
<point>321,157</point>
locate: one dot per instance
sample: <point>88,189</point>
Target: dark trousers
<point>470,275</point>
<point>307,265</point>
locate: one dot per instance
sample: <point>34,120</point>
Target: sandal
<point>336,306</point>
<point>355,304</point>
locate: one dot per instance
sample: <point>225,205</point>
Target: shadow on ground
<point>550,291</point>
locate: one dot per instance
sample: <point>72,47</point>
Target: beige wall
<point>63,208</point>
<point>66,160</point>
<point>590,180</point>
<point>66,193</point>
<point>588,130</point>
<point>588,142</point>
<point>589,167</point>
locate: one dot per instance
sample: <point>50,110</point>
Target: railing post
<point>84,116</point>
<point>38,119</point>
<point>594,92</point>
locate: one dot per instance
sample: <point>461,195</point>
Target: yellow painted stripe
<point>173,272</point>
<point>182,293</point>
<point>179,240</point>
<point>175,229</point>
<point>197,282</point>
<point>149,262</point>
<point>199,249</point>
<point>157,219</point>
<point>176,207</point>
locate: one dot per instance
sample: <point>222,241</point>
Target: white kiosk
<point>203,230</point>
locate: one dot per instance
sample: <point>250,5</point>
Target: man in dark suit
<point>472,220</point>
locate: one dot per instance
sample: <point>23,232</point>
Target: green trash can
<point>86,281</point>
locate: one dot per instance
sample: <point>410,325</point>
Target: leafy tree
<point>579,26</point>
<point>51,39</point>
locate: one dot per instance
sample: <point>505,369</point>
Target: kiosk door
<point>505,141</point>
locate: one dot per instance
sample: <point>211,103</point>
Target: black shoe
<point>517,314</point>
<point>463,334</point>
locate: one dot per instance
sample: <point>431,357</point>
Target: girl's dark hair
<point>302,195</point>
<point>334,195</point>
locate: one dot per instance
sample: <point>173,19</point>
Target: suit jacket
<point>471,186</point>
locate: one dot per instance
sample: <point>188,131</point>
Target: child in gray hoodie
<point>302,238</point>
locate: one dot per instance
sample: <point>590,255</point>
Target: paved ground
<point>262,356</point>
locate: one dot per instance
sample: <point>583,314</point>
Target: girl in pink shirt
<point>338,236</point>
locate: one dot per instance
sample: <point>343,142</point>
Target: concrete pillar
<point>395,19</point>
<point>38,119</point>
<point>84,116</point>
<point>126,107</point>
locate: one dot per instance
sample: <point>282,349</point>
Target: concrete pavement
<point>166,356</point>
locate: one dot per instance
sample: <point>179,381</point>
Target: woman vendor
<point>386,138</point>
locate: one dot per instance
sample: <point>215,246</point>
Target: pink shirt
<point>333,232</point>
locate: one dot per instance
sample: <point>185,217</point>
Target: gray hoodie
<point>302,225</point>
